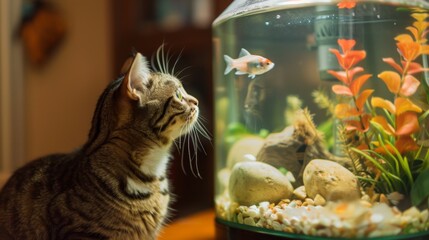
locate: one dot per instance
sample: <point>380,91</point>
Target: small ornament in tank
<point>247,63</point>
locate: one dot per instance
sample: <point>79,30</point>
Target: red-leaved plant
<point>389,147</point>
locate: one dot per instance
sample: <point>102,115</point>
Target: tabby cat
<point>115,186</point>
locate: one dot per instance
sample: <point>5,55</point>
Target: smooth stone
<point>254,182</point>
<point>319,200</point>
<point>223,177</point>
<point>300,192</point>
<point>309,201</point>
<point>331,180</point>
<point>243,150</point>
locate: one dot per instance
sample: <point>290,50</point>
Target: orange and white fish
<point>247,63</point>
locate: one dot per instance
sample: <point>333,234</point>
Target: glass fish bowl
<point>321,119</point>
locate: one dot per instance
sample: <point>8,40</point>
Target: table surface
<point>199,226</point>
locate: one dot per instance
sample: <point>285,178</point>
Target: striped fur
<point>115,186</point>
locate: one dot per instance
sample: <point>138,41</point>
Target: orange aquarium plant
<point>347,4</point>
<point>388,131</point>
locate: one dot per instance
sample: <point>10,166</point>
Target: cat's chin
<point>193,116</point>
<point>186,128</point>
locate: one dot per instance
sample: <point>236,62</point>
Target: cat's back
<point>26,195</point>
<point>38,173</point>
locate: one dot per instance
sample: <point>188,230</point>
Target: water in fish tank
<point>322,117</point>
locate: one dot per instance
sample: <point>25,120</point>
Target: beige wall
<point>61,96</point>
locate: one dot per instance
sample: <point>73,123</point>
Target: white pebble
<point>253,212</point>
<point>376,218</point>
<point>249,221</point>
<point>363,221</point>
<point>240,218</point>
<point>309,201</point>
<point>319,200</point>
<point>300,193</point>
<point>412,212</point>
<point>277,226</point>
<point>263,207</point>
<point>249,157</point>
<point>279,216</point>
<point>264,204</point>
<point>274,217</point>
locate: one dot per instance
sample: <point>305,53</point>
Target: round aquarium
<point>322,119</point>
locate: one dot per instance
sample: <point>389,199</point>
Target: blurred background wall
<point>59,91</point>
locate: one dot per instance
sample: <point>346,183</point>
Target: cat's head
<point>144,110</point>
<point>154,103</point>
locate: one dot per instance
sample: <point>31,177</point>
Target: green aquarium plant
<point>237,131</point>
<point>386,132</point>
<point>324,102</point>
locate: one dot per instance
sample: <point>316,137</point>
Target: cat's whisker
<point>182,164</point>
<point>185,76</point>
<point>160,54</point>
<point>202,119</point>
<point>189,149</point>
<point>175,63</point>
<point>196,141</point>
<point>176,144</point>
<point>192,138</point>
<point>182,151</point>
<point>164,62</point>
<point>152,63</point>
<point>179,140</point>
<point>167,60</point>
<point>181,71</point>
<point>196,145</point>
<point>199,140</point>
<point>163,59</point>
<point>188,138</point>
<point>196,138</point>
<point>201,129</point>
<point>158,59</point>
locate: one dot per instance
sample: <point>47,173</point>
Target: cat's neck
<point>151,157</point>
<point>152,161</point>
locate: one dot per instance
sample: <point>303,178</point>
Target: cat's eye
<point>179,94</point>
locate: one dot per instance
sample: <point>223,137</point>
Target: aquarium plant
<point>386,155</point>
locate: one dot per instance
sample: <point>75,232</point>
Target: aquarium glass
<point>321,117</point>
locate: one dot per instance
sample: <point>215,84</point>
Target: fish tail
<point>228,61</point>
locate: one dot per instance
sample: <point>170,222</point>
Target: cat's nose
<point>193,100</point>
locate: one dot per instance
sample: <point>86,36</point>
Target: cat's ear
<point>136,78</point>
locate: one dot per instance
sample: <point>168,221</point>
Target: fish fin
<point>240,73</point>
<point>243,53</point>
<point>228,61</point>
<point>252,76</point>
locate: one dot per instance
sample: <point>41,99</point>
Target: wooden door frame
<point>11,90</point>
